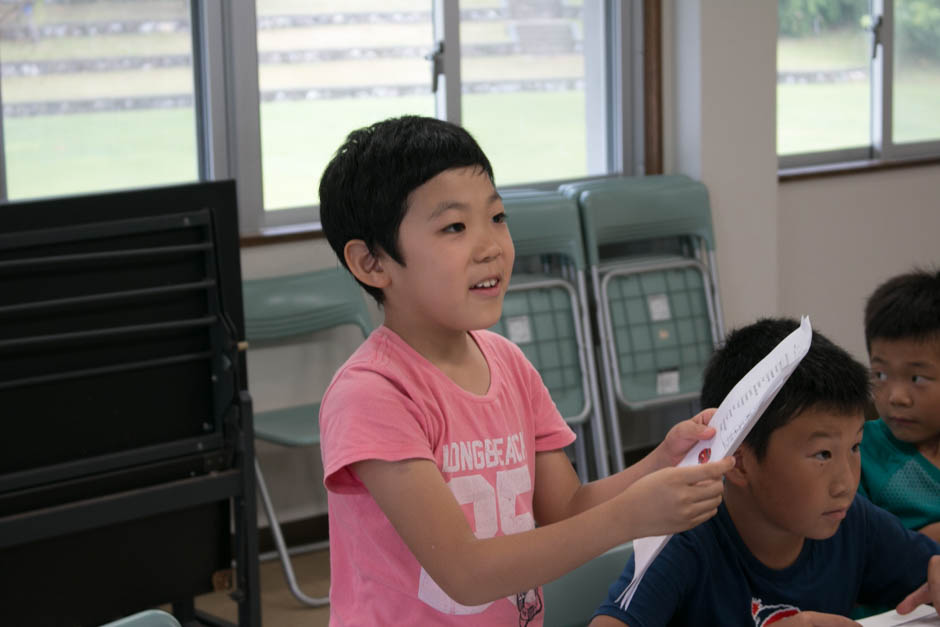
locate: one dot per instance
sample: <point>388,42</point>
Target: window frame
<point>227,99</point>
<point>882,150</point>
<point>615,64</point>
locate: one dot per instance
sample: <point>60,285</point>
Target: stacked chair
<point>570,600</point>
<point>545,312</point>
<point>651,253</point>
<point>288,309</point>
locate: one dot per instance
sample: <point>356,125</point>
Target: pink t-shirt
<point>388,402</point>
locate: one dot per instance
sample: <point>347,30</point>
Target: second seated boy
<point>901,450</point>
<point>792,544</point>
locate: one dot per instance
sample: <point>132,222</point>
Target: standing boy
<point>791,544</point>
<point>901,450</point>
<point>441,447</point>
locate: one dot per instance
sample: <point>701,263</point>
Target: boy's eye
<point>919,378</point>
<point>856,447</point>
<point>877,375</point>
<point>499,218</point>
<point>823,456</point>
<point>456,227</point>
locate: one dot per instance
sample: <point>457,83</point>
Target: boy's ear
<point>364,265</point>
<point>739,474</point>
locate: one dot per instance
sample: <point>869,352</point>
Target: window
<point>857,80</point>
<point>518,74</point>
<point>96,96</point>
<point>112,94</point>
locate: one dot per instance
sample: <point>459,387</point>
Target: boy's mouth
<point>836,514</point>
<point>486,284</point>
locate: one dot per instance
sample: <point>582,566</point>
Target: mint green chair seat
<point>283,310</point>
<point>545,312</point>
<point>147,618</point>
<point>651,251</point>
<point>570,601</point>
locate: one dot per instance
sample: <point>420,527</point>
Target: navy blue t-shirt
<point>707,575</point>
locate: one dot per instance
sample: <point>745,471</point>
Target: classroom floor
<point>279,608</point>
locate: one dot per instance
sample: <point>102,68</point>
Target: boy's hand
<point>675,499</point>
<point>927,593</point>
<point>816,619</point>
<point>683,436</point>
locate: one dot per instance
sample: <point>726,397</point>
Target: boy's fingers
<point>704,416</point>
<point>914,599</point>
<point>694,430</point>
<point>711,470</point>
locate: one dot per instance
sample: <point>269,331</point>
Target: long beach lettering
<point>493,510</point>
<point>479,454</point>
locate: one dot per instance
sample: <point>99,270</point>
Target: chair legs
<point>282,547</point>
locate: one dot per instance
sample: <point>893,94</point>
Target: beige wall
<point>840,237</point>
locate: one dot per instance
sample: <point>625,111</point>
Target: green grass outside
<point>831,116</point>
<point>70,154</point>
<point>830,51</point>
<point>527,136</point>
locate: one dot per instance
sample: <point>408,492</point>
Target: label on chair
<point>667,382</point>
<point>658,305</point>
<point>518,329</point>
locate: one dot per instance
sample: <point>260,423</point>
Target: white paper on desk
<point>733,419</point>
<point>923,615</point>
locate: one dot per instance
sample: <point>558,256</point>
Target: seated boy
<point>901,450</point>
<point>791,544</point>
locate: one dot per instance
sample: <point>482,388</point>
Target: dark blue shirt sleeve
<point>896,557</point>
<point>664,587</point>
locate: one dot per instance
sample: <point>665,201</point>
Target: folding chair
<point>285,309</point>
<point>650,247</point>
<point>570,600</point>
<point>545,312</point>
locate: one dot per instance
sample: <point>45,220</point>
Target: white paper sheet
<point>734,418</point>
<point>922,616</point>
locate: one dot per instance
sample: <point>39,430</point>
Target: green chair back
<point>544,223</point>
<point>618,210</point>
<point>570,601</point>
<point>286,306</point>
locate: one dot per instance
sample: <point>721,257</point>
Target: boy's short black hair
<point>365,188</point>
<point>905,307</point>
<point>827,378</point>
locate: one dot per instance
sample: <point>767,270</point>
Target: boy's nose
<point>488,249</point>
<point>898,395</point>
<point>845,478</point>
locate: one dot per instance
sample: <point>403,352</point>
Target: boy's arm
<point>932,531</point>
<point>414,497</point>
<point>559,494</point>
<point>927,593</point>
<point>606,621</point>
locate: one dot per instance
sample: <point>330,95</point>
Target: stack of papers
<point>924,615</point>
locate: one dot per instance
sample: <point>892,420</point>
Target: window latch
<point>875,29</point>
<point>436,57</point>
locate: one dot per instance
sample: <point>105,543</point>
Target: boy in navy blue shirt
<point>791,544</point>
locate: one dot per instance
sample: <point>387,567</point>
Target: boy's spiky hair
<point>905,307</point>
<point>365,188</point>
<point>827,378</point>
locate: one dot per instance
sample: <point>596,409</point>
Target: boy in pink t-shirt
<point>441,447</point>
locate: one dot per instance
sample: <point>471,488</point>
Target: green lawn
<point>831,116</point>
<point>527,136</point>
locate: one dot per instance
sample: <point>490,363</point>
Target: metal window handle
<point>875,29</point>
<point>436,57</point>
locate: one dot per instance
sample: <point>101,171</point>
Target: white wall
<point>723,126</point>
<point>840,237</point>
